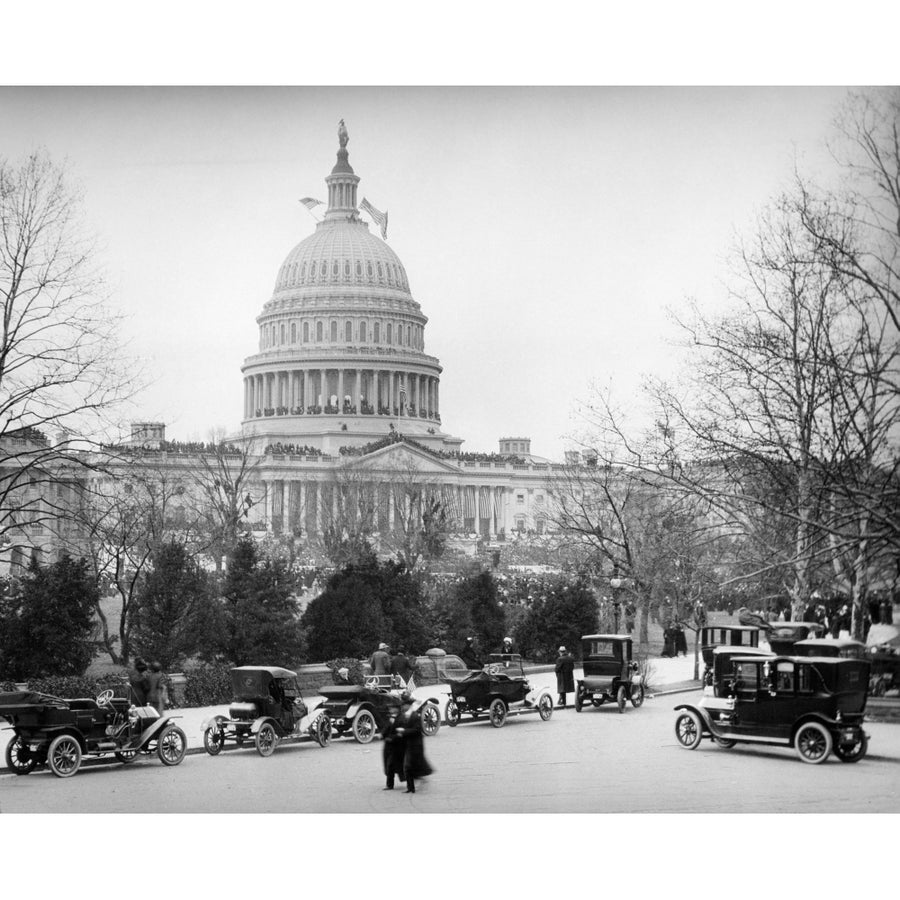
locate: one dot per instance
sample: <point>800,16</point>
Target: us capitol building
<point>341,389</point>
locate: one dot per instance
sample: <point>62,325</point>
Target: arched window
<point>334,269</point>
<point>376,335</point>
<point>333,332</point>
<point>306,332</point>
<point>312,269</point>
<point>347,268</point>
<point>358,269</point>
<point>319,331</point>
<point>293,332</point>
<point>369,269</point>
<point>303,272</point>
<point>323,269</point>
<point>281,334</point>
<point>348,332</point>
<point>390,332</point>
<point>409,335</point>
<point>362,332</point>
<point>380,273</point>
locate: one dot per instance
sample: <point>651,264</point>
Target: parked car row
<point>807,693</point>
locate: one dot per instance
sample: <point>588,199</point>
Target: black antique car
<point>59,733</point>
<point>813,704</point>
<point>841,648</point>
<point>713,636</point>
<point>610,674</point>
<point>500,689</point>
<point>782,636</point>
<point>267,708</point>
<point>364,710</point>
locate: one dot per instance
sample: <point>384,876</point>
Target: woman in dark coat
<point>392,751</point>
<point>406,757</point>
<point>565,675</point>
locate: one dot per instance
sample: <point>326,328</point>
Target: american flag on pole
<point>310,202</point>
<point>380,218</point>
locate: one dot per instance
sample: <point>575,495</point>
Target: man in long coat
<point>565,675</point>
<point>381,661</point>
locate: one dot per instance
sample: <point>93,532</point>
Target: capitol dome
<point>341,355</point>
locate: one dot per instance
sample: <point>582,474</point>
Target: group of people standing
<point>149,685</point>
<point>385,662</point>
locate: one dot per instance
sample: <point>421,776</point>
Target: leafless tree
<point>61,370</point>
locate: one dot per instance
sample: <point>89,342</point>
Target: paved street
<point>596,761</point>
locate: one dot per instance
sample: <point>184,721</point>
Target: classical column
<point>391,392</point>
<point>341,391</point>
<point>477,510</point>
<point>358,398</point>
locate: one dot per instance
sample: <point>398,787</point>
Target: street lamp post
<point>616,584</point>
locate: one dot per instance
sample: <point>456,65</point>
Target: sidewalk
<point>666,676</point>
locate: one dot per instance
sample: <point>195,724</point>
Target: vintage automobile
<point>439,667</point>
<point>713,636</point>
<point>883,649</point>
<point>500,689</point>
<point>723,664</point>
<point>267,708</point>
<point>59,733</point>
<point>813,704</point>
<point>610,674</point>
<point>364,710</point>
<point>783,635</point>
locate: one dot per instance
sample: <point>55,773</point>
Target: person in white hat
<point>565,675</point>
<point>381,661</point>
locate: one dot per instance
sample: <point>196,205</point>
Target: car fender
<point>154,729</point>
<point>258,723</point>
<point>48,734</point>
<point>535,694</point>
<point>707,722</point>
<point>818,718</point>
<point>213,722</point>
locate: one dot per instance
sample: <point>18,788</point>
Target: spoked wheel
<point>852,753</point>
<point>637,695</point>
<point>19,758</point>
<point>621,696</point>
<point>364,727</point>
<point>497,712</point>
<point>171,746</point>
<point>813,743</point>
<point>213,740</point>
<point>322,730</point>
<point>64,755</point>
<point>126,756</point>
<point>453,714</point>
<point>689,730</point>
<point>431,719</point>
<point>266,739</point>
<point>724,743</point>
<point>545,706</point>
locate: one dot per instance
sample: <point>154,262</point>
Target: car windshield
<point>601,648</point>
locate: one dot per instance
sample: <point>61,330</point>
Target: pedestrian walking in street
<point>404,750</point>
<point>381,661</point>
<point>137,678</point>
<point>565,675</point>
<point>157,692</point>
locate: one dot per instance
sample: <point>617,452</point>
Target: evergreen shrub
<point>208,684</point>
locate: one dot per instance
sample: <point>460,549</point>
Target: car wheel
<point>689,730</point>
<point>364,727</point>
<point>431,719</point>
<point>19,758</point>
<point>322,730</point>
<point>266,739</point>
<point>453,714</point>
<point>854,753</point>
<point>579,698</point>
<point>724,743</point>
<point>64,755</point>
<point>545,706</point>
<point>620,698</point>
<point>637,695</point>
<point>812,743</point>
<point>213,740</point>
<point>126,756</point>
<point>497,712</point>
<point>171,746</point>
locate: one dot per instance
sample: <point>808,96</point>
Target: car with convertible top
<point>267,708</point>
<point>60,733</point>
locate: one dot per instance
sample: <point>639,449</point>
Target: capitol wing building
<point>341,408</point>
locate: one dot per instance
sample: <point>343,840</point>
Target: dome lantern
<point>342,182</point>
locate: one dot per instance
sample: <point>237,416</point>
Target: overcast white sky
<point>544,231</point>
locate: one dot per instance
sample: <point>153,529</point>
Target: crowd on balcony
<point>292,450</point>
